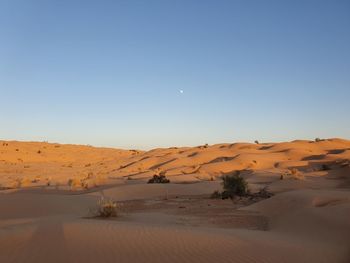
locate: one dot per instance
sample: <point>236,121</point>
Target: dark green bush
<point>325,167</point>
<point>158,179</point>
<point>234,185</point>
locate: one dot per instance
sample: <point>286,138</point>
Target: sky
<point>145,74</point>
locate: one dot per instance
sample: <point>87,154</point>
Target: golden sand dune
<point>47,190</point>
<point>30,164</point>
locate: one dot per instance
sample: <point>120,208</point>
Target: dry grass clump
<point>74,183</point>
<point>84,182</point>
<point>36,179</point>
<point>292,173</point>
<point>296,174</point>
<point>105,208</point>
<point>20,182</point>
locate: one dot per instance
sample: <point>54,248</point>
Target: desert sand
<point>47,191</point>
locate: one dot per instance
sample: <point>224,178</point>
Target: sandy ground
<point>48,189</point>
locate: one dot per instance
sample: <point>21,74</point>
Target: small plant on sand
<point>256,142</point>
<point>296,174</point>
<point>234,185</point>
<point>325,167</point>
<point>158,179</point>
<point>106,208</point>
<point>39,152</point>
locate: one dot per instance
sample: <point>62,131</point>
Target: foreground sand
<point>45,219</point>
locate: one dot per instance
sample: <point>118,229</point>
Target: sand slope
<point>45,219</point>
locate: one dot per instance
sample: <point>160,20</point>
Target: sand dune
<point>48,189</point>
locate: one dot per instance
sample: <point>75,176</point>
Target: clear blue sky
<point>108,73</point>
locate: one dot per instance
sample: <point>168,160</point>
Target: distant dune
<point>33,164</point>
<point>47,189</point>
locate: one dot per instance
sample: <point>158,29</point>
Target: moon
<point>181,91</point>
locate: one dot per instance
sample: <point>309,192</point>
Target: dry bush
<point>74,183</point>
<point>325,167</point>
<point>296,174</point>
<point>158,179</point>
<point>319,140</point>
<point>106,207</point>
<point>20,182</point>
<point>36,179</point>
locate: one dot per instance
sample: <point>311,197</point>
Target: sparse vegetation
<point>158,179</point>
<point>106,208</point>
<point>293,173</point>
<point>73,182</point>
<point>233,185</point>
<point>216,195</point>
<point>325,167</point>
<point>203,146</point>
<point>319,140</point>
<point>263,193</point>
<point>256,142</point>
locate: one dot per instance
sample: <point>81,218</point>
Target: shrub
<point>158,179</point>
<point>295,173</point>
<point>319,140</point>
<point>264,193</point>
<point>234,184</point>
<point>325,167</point>
<point>106,208</point>
<point>256,142</point>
